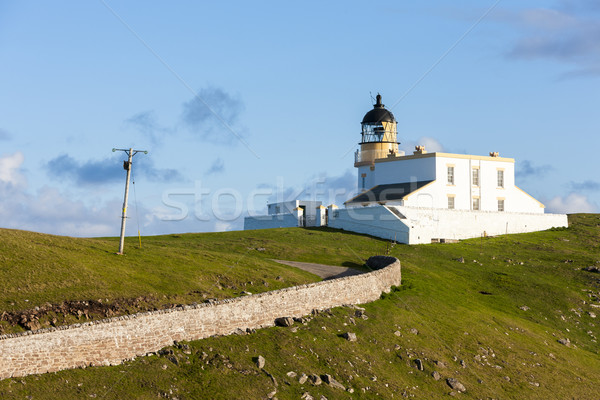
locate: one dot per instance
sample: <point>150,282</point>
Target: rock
<point>315,379</point>
<point>414,331</point>
<point>272,394</point>
<point>436,375</point>
<point>463,363</point>
<point>260,362</point>
<point>524,308</point>
<point>350,390</point>
<point>306,396</point>
<point>440,364</point>
<point>456,385</point>
<point>33,325</point>
<point>592,268</point>
<point>173,359</point>
<point>328,379</point>
<point>360,313</point>
<point>284,321</point>
<point>419,364</point>
<point>591,314</point>
<point>350,336</point>
<point>398,333</point>
<point>507,378</point>
<point>303,378</point>
<point>291,374</point>
<point>565,342</point>
<point>273,379</point>
<point>461,260</point>
<point>378,262</point>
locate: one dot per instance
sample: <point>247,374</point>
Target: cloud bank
<point>568,34</point>
<point>570,204</point>
<point>107,170</point>
<point>525,169</point>
<point>48,210</point>
<point>587,185</point>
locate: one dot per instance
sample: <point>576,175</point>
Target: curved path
<point>322,270</point>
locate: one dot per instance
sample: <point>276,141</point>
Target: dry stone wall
<point>112,341</point>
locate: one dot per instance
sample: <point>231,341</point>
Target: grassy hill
<point>488,312</point>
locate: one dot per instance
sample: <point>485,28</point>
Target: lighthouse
<point>378,139</point>
<point>422,197</point>
<point>378,136</point>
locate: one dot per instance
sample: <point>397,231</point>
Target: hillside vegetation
<point>509,317</point>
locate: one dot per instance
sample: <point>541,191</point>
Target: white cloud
<point>572,203</point>
<point>10,169</point>
<point>48,210</point>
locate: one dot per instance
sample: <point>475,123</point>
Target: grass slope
<point>463,320</point>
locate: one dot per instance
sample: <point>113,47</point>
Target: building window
<point>475,177</point>
<point>450,202</point>
<point>476,203</point>
<point>450,175</point>
<point>500,178</point>
<point>500,204</point>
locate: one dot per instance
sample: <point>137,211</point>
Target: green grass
<point>463,311</point>
<point>36,269</point>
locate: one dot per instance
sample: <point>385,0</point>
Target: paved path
<point>324,271</point>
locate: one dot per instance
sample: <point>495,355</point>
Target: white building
<point>426,197</point>
<point>288,214</point>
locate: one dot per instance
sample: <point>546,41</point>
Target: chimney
<point>420,150</point>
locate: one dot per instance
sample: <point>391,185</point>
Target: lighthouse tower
<point>378,135</point>
<point>378,139</point>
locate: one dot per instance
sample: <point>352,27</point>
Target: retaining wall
<point>114,340</point>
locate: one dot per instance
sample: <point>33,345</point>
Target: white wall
<point>376,221</point>
<point>419,225</point>
<point>427,224</point>
<point>321,219</point>
<point>435,166</point>
<point>398,171</point>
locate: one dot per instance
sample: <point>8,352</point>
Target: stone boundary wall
<point>112,341</point>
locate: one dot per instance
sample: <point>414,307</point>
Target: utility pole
<point>127,166</point>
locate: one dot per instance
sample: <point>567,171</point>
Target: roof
<point>391,192</point>
<point>378,114</point>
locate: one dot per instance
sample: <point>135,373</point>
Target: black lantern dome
<point>378,114</point>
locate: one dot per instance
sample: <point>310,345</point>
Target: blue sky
<point>241,103</point>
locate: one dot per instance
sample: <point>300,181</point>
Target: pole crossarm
<point>130,153</point>
<point>131,150</point>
